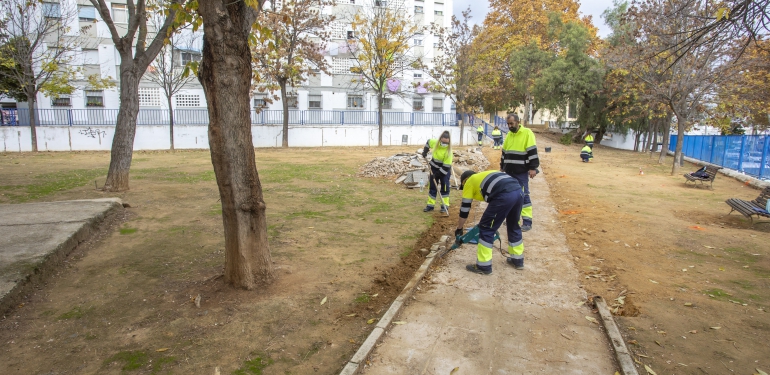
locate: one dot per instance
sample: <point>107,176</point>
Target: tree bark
<point>171,123</point>
<point>225,75</point>
<point>285,106</point>
<point>33,120</point>
<point>599,136</point>
<point>681,121</point>
<point>125,128</point>
<point>527,103</point>
<point>636,140</point>
<point>459,110</point>
<point>666,138</point>
<point>379,115</point>
<point>654,145</point>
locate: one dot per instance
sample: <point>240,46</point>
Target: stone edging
<point>613,333</point>
<point>354,365</point>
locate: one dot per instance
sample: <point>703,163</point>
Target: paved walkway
<point>512,322</point>
<point>34,236</point>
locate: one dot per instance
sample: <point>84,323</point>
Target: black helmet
<point>465,176</point>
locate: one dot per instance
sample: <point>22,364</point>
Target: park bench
<point>711,171</point>
<point>751,208</point>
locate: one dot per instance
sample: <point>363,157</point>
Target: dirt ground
<point>123,302</point>
<point>696,282</point>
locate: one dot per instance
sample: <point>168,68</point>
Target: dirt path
<point>697,283</point>
<point>512,322</point>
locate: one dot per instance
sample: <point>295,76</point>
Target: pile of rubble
<point>412,169</point>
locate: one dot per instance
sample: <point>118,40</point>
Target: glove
<point>424,153</point>
<point>458,233</point>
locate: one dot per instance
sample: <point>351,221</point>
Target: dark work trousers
<point>526,208</point>
<point>503,207</point>
<point>444,180</point>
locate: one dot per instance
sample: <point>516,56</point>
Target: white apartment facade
<point>328,92</point>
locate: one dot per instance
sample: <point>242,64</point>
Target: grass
<point>50,183</point>
<point>132,360</point>
<point>75,313</point>
<point>253,366</point>
<point>363,298</point>
<point>128,230</point>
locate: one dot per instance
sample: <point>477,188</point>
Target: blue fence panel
<point>427,118</point>
<point>94,116</point>
<point>752,154</point>
<point>152,117</point>
<point>746,153</point>
<point>360,118</point>
<point>397,118</point>
<point>9,117</point>
<point>275,117</point>
<point>323,117</point>
<point>191,116</point>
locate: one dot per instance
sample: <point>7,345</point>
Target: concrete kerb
<point>354,365</point>
<point>50,261</point>
<point>622,354</point>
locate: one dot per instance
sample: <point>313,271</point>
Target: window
<point>338,30</point>
<point>572,110</point>
<point>438,12</point>
<point>86,13</point>
<point>387,103</point>
<point>188,100</point>
<point>94,98</point>
<point>417,104</point>
<point>52,10</point>
<point>90,56</point>
<point>292,101</point>
<point>352,1</point>
<point>341,65</point>
<point>355,102</point>
<point>188,57</point>
<point>418,9</point>
<point>259,101</point>
<point>438,105</point>
<point>62,101</point>
<point>149,97</point>
<point>314,101</point>
<point>417,75</point>
<point>380,3</point>
<point>418,42</point>
<point>351,35</point>
<point>453,106</point>
<point>119,13</point>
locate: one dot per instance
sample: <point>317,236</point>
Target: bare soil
<point>124,301</point>
<point>696,282</point>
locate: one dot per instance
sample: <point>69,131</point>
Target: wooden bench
<point>710,171</point>
<point>751,208</point>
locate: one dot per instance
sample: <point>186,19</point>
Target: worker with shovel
<point>504,196</point>
<point>440,168</point>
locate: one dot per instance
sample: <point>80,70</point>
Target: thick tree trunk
<point>33,120</point>
<point>285,106</point>
<point>125,128</point>
<point>647,136</point>
<point>226,77</point>
<point>666,138</point>
<point>379,116</point>
<point>461,123</point>
<point>599,136</point>
<point>654,145</point>
<point>636,140</point>
<point>527,104</point>
<point>681,122</point>
<point>171,123</point>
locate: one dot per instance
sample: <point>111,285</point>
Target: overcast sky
<point>479,9</point>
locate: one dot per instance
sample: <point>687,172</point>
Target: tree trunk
<point>527,102</point>
<point>33,120</point>
<point>678,159</point>
<point>666,138</point>
<point>647,136</point>
<point>379,116</point>
<point>225,75</point>
<point>285,106</point>
<point>171,123</point>
<point>461,123</point>
<point>125,128</point>
<point>599,136</point>
<point>636,140</point>
<point>654,145</point>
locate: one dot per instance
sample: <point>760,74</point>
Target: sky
<point>479,9</point>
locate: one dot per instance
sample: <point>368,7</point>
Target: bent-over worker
<point>504,197</point>
<point>441,169</point>
<point>586,154</point>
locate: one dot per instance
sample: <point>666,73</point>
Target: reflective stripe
<point>514,244</point>
<point>508,161</point>
<point>489,263</point>
<point>514,256</point>
<point>467,200</point>
<point>533,157</point>
<point>532,147</point>
<point>495,181</point>
<point>511,152</point>
<point>526,205</point>
<point>432,196</point>
<point>465,209</point>
<point>435,165</point>
<point>485,244</point>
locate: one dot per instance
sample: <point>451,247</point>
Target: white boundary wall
<point>156,137</point>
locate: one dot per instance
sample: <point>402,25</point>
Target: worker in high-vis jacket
<point>589,138</point>
<point>504,199</point>
<point>480,132</point>
<point>497,136</point>
<point>441,169</point>
<point>520,161</point>
<point>586,154</point>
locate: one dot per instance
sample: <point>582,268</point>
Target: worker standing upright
<point>497,136</point>
<point>441,169</point>
<point>480,132</point>
<point>589,138</point>
<point>503,195</point>
<point>520,161</point>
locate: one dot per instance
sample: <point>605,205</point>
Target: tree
<point>383,49</point>
<point>293,48</point>
<point>225,73</point>
<point>171,73</point>
<point>526,67</point>
<point>135,57</point>
<point>36,50</point>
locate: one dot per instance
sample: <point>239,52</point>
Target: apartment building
<point>334,91</point>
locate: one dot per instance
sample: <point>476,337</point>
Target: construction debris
<point>410,169</point>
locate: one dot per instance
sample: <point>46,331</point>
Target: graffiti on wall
<point>92,133</point>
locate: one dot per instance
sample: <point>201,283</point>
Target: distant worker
<point>589,139</point>
<point>504,197</point>
<point>586,154</point>
<point>480,132</point>
<point>520,161</point>
<point>441,169</point>
<point>497,136</point>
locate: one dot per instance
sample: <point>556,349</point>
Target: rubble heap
<point>410,169</point>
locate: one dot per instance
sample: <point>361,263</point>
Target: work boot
<point>526,226</point>
<point>444,209</point>
<point>516,263</point>
<point>427,209</point>
<point>475,269</point>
